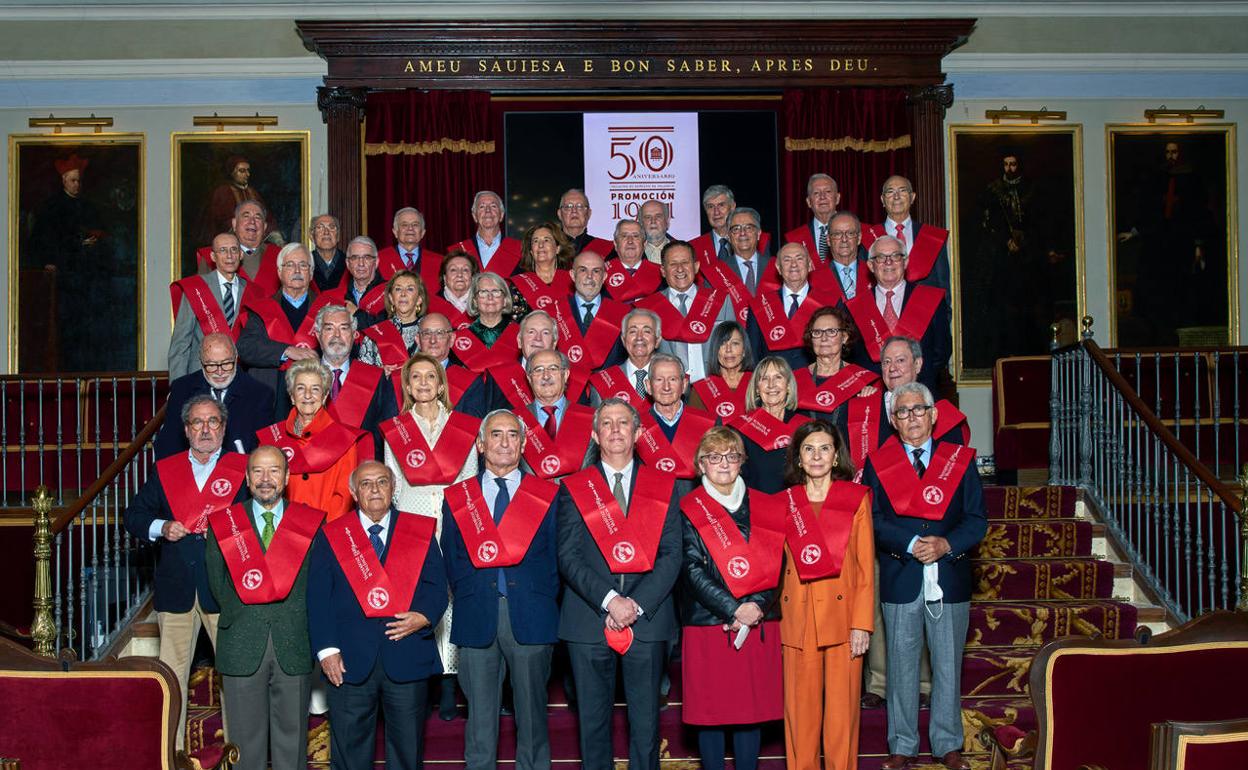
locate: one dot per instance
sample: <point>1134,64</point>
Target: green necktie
<point>266,534</point>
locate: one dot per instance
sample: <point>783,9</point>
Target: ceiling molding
<point>164,69</point>
<point>997,63</point>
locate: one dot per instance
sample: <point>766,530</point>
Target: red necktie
<point>890,315</point>
<point>550,424</point>
<point>901,234</point>
<point>335,387</point>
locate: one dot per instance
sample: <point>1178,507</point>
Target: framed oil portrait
<point>1017,241</point>
<point>77,252</point>
<point>1173,261</point>
<point>215,171</point>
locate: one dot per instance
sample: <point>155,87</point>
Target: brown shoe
<point>954,761</point>
<point>897,761</point>
<point>872,701</point>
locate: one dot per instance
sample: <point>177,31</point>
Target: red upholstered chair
<point>1020,412</point>
<point>1200,745</point>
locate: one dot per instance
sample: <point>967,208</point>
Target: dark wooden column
<point>342,109</point>
<point>927,113</point>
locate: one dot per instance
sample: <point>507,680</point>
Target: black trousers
<point>353,712</point>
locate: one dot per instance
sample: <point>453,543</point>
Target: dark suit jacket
<point>964,525</point>
<point>180,575</point>
<point>337,270</point>
<point>335,618</point>
<point>764,264</point>
<point>249,402</point>
<point>243,630</point>
<point>796,357</point>
<point>617,354</point>
<point>262,355</point>
<point>589,579</point>
<point>937,343</point>
<point>532,588</point>
<point>939,277</point>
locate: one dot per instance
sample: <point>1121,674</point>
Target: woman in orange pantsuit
<point>827,603</point>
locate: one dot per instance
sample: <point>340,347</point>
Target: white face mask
<point>931,588</point>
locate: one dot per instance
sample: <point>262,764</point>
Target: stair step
<point>145,630</point>
<point>1030,502</point>
<point>1036,538</point>
<point>996,671</point>
<point>1024,624</point>
<point>1027,579</point>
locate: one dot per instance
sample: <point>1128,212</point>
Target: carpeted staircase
<point>1036,580</point>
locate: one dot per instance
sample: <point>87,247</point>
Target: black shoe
<point>506,710</point>
<point>446,701</point>
<point>925,700</point>
<point>872,701</point>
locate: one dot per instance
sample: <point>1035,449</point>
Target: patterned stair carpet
<point>1036,580</point>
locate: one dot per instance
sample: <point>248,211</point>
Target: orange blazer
<point>327,490</point>
<point>820,613</point>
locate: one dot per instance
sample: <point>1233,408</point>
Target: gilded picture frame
<point>1172,234</point>
<point>77,252</point>
<point>205,172</point>
<point>1015,272</point>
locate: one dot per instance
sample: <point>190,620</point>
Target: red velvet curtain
<point>859,136</point>
<point>431,150</point>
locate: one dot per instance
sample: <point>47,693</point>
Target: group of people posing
<point>393,466</point>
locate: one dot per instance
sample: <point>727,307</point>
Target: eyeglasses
<point>218,366</point>
<point>381,483</point>
<point>574,207</point>
<point>540,370</point>
<point>228,250</point>
<point>918,410</point>
<point>843,235</point>
<point>742,229</point>
<point>495,293</point>
<point>433,333</point>
<point>362,258</point>
<point>885,259</point>
<point>325,229</point>
<point>213,423</point>
<point>817,334</point>
<point>732,458</point>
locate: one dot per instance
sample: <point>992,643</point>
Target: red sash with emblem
<point>356,393</point>
<point>499,545</point>
<point>260,576</point>
<point>382,591</point>
<point>373,302</point>
<point>613,383</point>
<point>628,543</point>
<point>206,307</point>
<point>539,294</point>
<point>949,419</point>
<point>551,458</point>
<point>505,258</point>
<point>514,383</point>
<point>694,327</point>
<point>600,246</point>
<point>458,380</point>
<point>915,316</point>
<point>675,456</point>
<point>266,279</point>
<point>765,430</point>
<point>477,357</point>
<point>429,265</point>
<point>834,391</point>
<point>721,277</point>
<point>804,236</point>
<point>864,415</point>
<point>389,341</point>
<point>819,542</point>
<point>720,400</point>
<point>779,331</point>
<point>278,326</point>
<point>747,567</point>
<point>589,349</point>
<point>331,441</point>
<point>624,286</point>
<point>422,464</point>
<point>921,257</point>
<point>928,497</point>
<point>829,282</point>
<point>458,318</point>
<point>192,505</point>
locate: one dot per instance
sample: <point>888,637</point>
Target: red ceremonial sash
<point>747,567</point>
<point>382,591</point>
<point>600,246</point>
<point>628,287</point>
<point>829,282</point>
<point>356,393</point>
<point>819,542</point>
<point>373,302</point>
<point>804,236</point>
<point>922,254</point>
<point>477,357</point>
<point>192,505</point>
<point>505,258</point>
<point>614,383</point>
<point>330,442</point>
<point>539,294</point>
<point>948,419</point>
<point>422,464</point>
<point>389,340</point>
<point>675,456</point>
<point>589,349</point>
<point>722,277</point>
<point>499,545</point>
<point>766,431</point>
<point>266,277</point>
<point>835,390</point>
<point>864,415</point>
<point>458,380</point>
<point>925,498</point>
<point>458,318</point>
<point>260,576</point>
<point>278,326</point>
<point>779,331</point>
<point>721,400</point>
<point>628,543</point>
<point>430,266</point>
<point>206,307</point>
<point>915,316</point>
<point>551,458</point>
<point>694,327</point>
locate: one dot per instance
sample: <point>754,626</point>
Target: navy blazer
<point>249,402</point>
<point>180,575</point>
<point>335,618</point>
<point>532,587</point>
<point>937,342</point>
<point>964,525</point>
<point>572,304</point>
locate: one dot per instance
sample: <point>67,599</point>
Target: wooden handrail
<point>1228,349</point>
<point>1230,499</point>
<point>31,376</point>
<point>111,472</point>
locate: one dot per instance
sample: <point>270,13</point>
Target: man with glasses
<point>207,304</point>
<point>822,198</point>
<point>361,289</point>
<point>745,257</point>
<point>258,263</point>
<point>718,202</point>
<point>330,263</point>
<point>928,512</point>
<point>778,315</point>
<point>898,307</point>
<point>249,403</point>
<point>468,391</point>
<point>408,253</point>
<point>925,245</point>
<point>846,261</point>
<point>630,276</point>
<point>574,213</point>
<point>490,249</point>
<point>655,220</point>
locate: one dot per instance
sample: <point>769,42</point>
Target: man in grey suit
<point>745,227</point>
<point>188,325</point>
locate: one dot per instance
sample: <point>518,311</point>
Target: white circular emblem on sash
<point>378,598</point>
<point>616,280</point>
<point>462,343</point>
<point>289,452</point>
<point>738,567</point>
<point>575,354</point>
<point>623,552</point>
<point>697,327</point>
<point>783,441</point>
<point>666,464</point>
<point>776,334</point>
<point>621,395</point>
<point>415,458</point>
<point>811,554</point>
<point>222,487</point>
<point>726,409</point>
<point>544,300</point>
<point>823,398</point>
<point>932,495</point>
<point>550,464</point>
<point>252,579</point>
<point>487,551</point>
